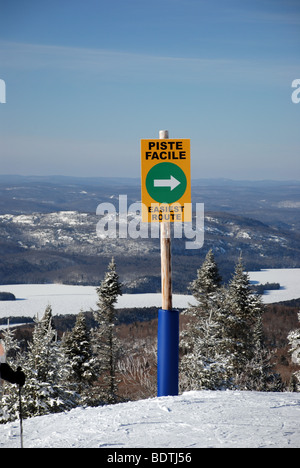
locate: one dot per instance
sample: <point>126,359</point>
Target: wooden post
<point>168,319</point>
<point>165,254</point>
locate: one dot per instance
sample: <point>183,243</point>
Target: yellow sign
<point>166,180</point>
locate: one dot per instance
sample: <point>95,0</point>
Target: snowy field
<point>195,419</point>
<point>32,299</point>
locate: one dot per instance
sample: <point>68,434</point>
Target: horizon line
<point>224,179</point>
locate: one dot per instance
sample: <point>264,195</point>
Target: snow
<point>194,419</point>
<point>32,299</point>
<point>243,235</point>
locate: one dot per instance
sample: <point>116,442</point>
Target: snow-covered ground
<point>32,299</point>
<point>195,419</point>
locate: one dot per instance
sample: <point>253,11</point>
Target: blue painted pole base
<point>167,352</point>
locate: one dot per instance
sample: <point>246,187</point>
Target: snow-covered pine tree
<point>243,309</point>
<point>294,349</point>
<point>46,370</point>
<point>81,361</point>
<point>11,345</point>
<point>224,341</point>
<point>205,289</point>
<point>105,338</point>
<point>208,279</point>
<point>199,366</point>
<point>249,362</point>
<point>9,408</point>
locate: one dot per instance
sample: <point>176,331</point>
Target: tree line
<point>223,345</point>
<point>78,370</point>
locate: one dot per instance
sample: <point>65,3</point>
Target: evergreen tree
<point>46,369</point>
<point>42,347</point>
<point>205,289</point>
<point>205,366</point>
<point>294,342</point>
<point>198,366</point>
<point>11,345</point>
<point>105,338</point>
<point>224,342</point>
<point>244,309</point>
<point>9,407</point>
<point>208,279</point>
<point>82,364</point>
<point>248,360</point>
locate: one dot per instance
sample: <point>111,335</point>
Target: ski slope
<point>195,419</point>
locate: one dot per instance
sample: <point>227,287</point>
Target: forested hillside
<point>48,231</point>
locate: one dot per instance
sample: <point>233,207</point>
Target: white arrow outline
<point>172,183</point>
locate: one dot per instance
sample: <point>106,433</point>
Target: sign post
<point>165,198</point>
<point>165,245</point>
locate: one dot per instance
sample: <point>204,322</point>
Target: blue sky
<point>86,80</point>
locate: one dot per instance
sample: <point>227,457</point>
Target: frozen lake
<point>32,299</point>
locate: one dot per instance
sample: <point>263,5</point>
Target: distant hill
<point>48,230</point>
